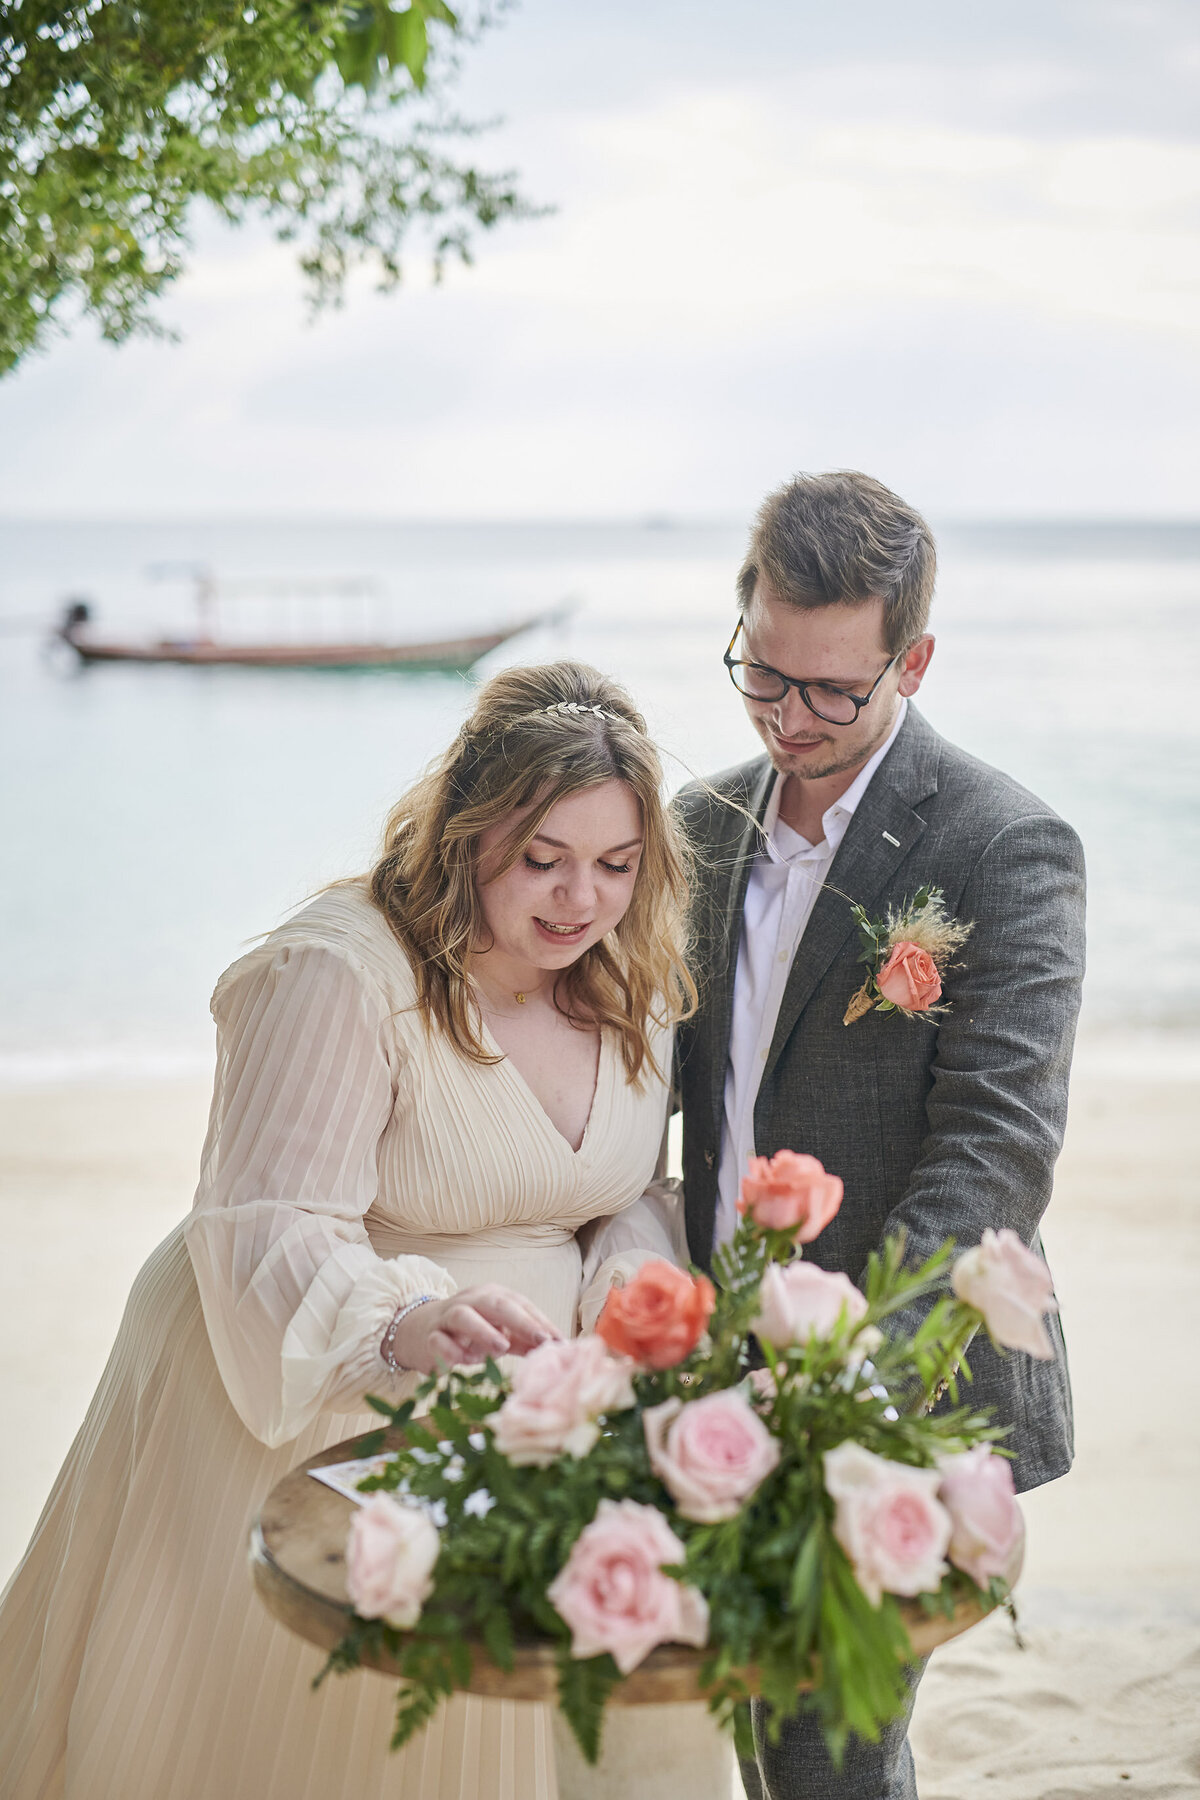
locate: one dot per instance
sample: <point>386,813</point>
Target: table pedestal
<point>651,1752</point>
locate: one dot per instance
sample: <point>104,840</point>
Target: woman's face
<point>570,885</point>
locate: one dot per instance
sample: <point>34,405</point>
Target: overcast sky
<point>952,244</point>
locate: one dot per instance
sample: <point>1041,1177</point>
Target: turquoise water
<point>153,820</point>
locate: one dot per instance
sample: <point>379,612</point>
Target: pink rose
<point>390,1555</point>
<point>786,1192</point>
<point>800,1302</point>
<point>889,1521</point>
<point>711,1454</point>
<point>613,1594</point>
<point>557,1394</point>
<point>909,978</point>
<point>988,1536</point>
<point>1011,1287</point>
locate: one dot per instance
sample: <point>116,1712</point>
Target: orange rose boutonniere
<point>907,954</point>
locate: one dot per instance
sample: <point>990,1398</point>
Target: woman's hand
<point>470,1326</point>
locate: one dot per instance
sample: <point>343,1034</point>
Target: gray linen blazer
<point>943,1126</point>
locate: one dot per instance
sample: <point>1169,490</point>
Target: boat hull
<point>450,655</point>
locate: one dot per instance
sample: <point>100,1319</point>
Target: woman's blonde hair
<point>535,736</point>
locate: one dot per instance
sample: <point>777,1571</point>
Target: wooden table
<point>297,1555</point>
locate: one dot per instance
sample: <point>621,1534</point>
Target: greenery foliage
<point>783,1598</point>
<point>321,115</point>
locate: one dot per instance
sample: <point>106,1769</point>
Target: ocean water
<point>154,820</point>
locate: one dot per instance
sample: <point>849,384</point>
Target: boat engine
<point>76,613</point>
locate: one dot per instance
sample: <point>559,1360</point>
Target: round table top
<point>297,1558</point>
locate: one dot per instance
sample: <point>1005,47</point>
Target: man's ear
<point>916,661</point>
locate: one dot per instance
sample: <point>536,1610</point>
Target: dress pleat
<point>353,1160</point>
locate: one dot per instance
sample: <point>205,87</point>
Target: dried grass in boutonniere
<point>907,953</point>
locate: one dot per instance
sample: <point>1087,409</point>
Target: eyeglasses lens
<point>759,683</point>
<point>830,703</point>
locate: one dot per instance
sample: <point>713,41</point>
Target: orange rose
<point>786,1192</point>
<point>658,1317</point>
<point>909,978</point>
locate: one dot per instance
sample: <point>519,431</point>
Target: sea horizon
<point>162,817</point>
<point>650,520</point>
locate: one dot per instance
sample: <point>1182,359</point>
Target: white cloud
<point>715,208</point>
<point>742,278</point>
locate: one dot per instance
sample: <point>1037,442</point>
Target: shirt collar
<point>837,816</point>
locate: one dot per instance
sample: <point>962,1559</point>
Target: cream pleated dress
<point>353,1161</point>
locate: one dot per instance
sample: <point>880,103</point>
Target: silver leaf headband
<point>576,707</point>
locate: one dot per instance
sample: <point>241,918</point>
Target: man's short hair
<point>842,540</point>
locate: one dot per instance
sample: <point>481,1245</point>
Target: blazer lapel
<point>881,834</point>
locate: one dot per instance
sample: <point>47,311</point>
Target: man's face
<point>841,645</point>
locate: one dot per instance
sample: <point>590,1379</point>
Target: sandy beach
<point>1105,1697</point>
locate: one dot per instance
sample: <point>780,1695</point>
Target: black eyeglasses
<point>758,681</point>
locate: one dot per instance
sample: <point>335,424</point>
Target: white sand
<point>1080,1713</point>
<point>1105,1699</point>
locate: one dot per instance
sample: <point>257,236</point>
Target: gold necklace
<point>520,995</point>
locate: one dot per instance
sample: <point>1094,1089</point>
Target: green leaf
<point>743,1732</point>
<point>460,1661</point>
<point>804,1586</point>
<point>415,1707</point>
<point>583,1689</point>
<point>412,43</point>
<point>498,1637</point>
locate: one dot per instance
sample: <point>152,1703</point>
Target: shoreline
<point>95,1173</point>
<point>1167,1052</point>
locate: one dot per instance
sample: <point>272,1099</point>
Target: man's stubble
<point>805,770</point>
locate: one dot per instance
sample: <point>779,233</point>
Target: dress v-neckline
<point>506,1062</point>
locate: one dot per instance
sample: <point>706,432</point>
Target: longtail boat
<point>453,655</point>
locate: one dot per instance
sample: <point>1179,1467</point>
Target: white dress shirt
<point>786,878</point>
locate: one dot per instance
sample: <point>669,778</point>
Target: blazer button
<point>710,1157</point>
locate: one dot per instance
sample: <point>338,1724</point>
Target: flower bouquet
<point>751,1468</point>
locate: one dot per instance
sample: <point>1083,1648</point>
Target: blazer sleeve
<point>295,1298</point>
<point>998,1105</point>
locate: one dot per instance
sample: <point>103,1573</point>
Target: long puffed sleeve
<point>295,1298</point>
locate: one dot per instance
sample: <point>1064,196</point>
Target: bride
<point>439,1102</point>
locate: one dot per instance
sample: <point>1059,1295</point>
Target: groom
<point>941,1124</point>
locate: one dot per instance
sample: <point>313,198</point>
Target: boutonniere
<point>906,953</point>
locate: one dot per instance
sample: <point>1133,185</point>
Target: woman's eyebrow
<point>539,837</point>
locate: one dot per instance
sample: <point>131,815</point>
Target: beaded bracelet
<point>388,1340</point>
